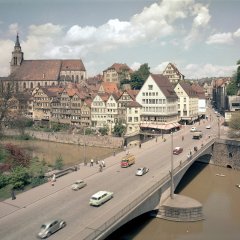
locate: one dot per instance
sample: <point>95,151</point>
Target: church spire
<point>17,43</point>
<point>17,56</point>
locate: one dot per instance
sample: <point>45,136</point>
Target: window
<point>150,87</point>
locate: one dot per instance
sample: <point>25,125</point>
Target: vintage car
<point>177,150</point>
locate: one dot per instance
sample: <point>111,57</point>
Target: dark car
<point>177,150</point>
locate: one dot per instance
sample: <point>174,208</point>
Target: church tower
<point>17,56</point>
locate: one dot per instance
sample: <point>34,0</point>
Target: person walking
<point>13,194</point>
<point>103,163</point>
<point>91,163</point>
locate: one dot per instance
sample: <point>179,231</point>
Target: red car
<point>177,150</point>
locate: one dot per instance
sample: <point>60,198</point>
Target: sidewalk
<point>33,195</point>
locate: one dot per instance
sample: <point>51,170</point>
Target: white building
<point>159,104</point>
<point>187,102</point>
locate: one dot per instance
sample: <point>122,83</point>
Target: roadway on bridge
<point>33,208</point>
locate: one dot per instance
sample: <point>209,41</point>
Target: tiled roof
<point>110,87</point>
<point>165,85</point>
<point>119,67</point>
<point>72,65</point>
<point>36,70</point>
<point>133,104</point>
<point>188,89</point>
<point>48,70</point>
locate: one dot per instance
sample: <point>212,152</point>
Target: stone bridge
<point>150,199</point>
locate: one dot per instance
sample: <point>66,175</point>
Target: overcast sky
<point>201,37</point>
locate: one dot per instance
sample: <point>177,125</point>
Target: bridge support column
<point>181,209</point>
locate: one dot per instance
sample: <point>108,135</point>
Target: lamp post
<point>84,148</point>
<point>172,183</point>
<point>218,127</point>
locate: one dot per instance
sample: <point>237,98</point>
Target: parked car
<point>100,197</point>
<point>193,129</point>
<point>51,227</point>
<point>141,171</point>
<point>208,127</point>
<point>78,185</point>
<point>177,150</point>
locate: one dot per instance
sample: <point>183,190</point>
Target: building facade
<point>173,74</point>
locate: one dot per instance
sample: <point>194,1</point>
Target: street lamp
<point>171,173</point>
<point>218,127</point>
<point>84,148</point>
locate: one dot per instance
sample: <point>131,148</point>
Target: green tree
<point>59,163</point>
<point>19,177</point>
<point>119,129</point>
<point>238,74</point>
<point>140,76</point>
<point>232,87</point>
<point>103,130</point>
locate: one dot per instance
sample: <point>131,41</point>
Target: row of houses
<point>156,106</point>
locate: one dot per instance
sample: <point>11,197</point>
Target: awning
<point>160,126</point>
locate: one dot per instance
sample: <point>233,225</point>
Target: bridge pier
<point>181,209</point>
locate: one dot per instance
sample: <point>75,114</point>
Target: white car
<point>193,129</point>
<point>208,127</point>
<point>100,197</point>
<point>78,184</point>
<point>141,171</point>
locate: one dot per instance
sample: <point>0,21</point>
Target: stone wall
<point>98,141</point>
<point>226,153</point>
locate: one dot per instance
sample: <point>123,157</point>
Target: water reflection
<point>220,199</point>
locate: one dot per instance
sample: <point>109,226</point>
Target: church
<point>29,74</point>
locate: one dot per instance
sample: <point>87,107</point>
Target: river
<point>71,154</point>
<point>221,206</point>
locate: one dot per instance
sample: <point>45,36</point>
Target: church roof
<point>48,70</point>
<point>72,65</point>
<point>36,70</point>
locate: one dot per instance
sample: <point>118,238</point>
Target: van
<point>127,161</point>
<point>100,197</point>
<point>197,135</point>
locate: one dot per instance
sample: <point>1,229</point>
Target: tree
<point>21,123</point>
<point>103,130</point>
<point>139,77</point>
<point>59,163</point>
<point>238,74</point>
<point>16,156</point>
<point>6,93</point>
<point>19,177</point>
<point>232,87</point>
<point>119,129</point>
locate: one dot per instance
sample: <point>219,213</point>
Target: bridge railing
<point>143,196</point>
<point>127,209</point>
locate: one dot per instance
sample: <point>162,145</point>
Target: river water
<point>71,154</point>
<point>221,206</point>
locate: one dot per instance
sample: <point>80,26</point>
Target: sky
<point>201,37</point>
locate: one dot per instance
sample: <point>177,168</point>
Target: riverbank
<point>72,138</point>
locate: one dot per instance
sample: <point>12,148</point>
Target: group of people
<point>100,163</point>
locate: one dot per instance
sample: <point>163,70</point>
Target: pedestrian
<point>156,139</point>
<point>140,145</point>
<point>91,163</point>
<point>114,153</point>
<point>182,138</point>
<point>13,194</point>
<point>125,148</point>
<point>103,163</point>
<point>54,178</point>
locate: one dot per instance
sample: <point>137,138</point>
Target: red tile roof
<point>119,67</point>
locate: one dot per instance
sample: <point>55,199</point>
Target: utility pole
<point>84,147</point>
<point>172,183</point>
<point>218,127</point>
